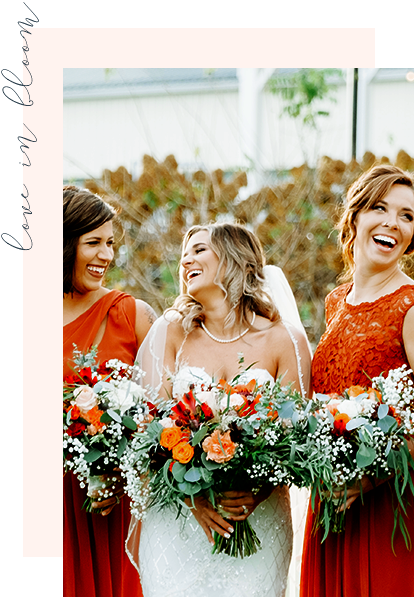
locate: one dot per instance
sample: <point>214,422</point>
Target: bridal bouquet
<point>102,406</point>
<point>364,431</point>
<point>226,436</point>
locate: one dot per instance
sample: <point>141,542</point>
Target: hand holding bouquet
<point>214,439</point>
<point>362,432</point>
<point>102,406</point>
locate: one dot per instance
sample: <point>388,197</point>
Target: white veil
<point>282,295</point>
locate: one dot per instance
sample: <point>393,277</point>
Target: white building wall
<point>197,128</point>
<point>390,118</point>
<point>202,130</point>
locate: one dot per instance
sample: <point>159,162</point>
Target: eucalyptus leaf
<point>121,446</point>
<point>193,475</point>
<point>129,422</point>
<point>199,435</point>
<point>382,410</point>
<point>105,418</point>
<point>365,456</point>
<point>387,423</point>
<point>93,455</point>
<point>355,423</point>
<point>114,415</point>
<point>209,464</point>
<point>312,424</point>
<point>178,471</point>
<point>286,410</point>
<point>388,448</point>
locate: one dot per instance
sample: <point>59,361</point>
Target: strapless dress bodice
<point>187,375</point>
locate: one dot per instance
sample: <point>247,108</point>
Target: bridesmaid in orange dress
<point>370,329</point>
<point>94,560</point>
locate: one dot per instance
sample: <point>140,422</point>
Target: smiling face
<point>199,264</point>
<point>385,230</point>
<point>94,253</point>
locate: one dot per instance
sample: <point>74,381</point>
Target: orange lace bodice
<point>360,341</point>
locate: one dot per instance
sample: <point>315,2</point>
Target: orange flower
<point>170,437</point>
<point>374,394</point>
<point>183,452</point>
<point>340,421</point>
<point>93,416</point>
<point>219,446</point>
<point>243,389</point>
<point>354,391</point>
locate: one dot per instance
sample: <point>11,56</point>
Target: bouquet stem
<point>243,542</point>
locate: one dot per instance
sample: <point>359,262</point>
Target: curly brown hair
<point>363,194</point>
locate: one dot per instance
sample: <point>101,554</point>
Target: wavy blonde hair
<point>239,274</point>
<point>364,193</point>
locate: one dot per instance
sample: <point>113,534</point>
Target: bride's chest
<point>225,361</point>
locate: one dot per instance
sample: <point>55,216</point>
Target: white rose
<point>235,400</point>
<point>350,408</point>
<point>210,399</point>
<point>125,395</point>
<point>167,422</point>
<point>85,398</point>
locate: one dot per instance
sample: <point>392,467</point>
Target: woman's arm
<point>287,362</point>
<point>408,336</point>
<point>144,318</point>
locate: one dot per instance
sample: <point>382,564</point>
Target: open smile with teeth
<point>385,241</point>
<point>95,269</point>
<point>193,274</point>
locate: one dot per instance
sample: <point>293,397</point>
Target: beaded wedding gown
<point>173,555</point>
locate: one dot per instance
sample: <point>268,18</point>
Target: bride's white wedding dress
<point>175,556</point>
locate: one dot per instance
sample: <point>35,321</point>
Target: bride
<point>224,311</point>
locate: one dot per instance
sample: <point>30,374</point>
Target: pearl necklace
<point>221,340</point>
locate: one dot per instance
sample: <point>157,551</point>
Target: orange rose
<point>219,446</point>
<point>354,391</point>
<point>170,437</point>
<point>183,452</point>
<point>340,421</point>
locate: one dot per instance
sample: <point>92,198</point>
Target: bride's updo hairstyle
<point>82,212</point>
<point>240,269</point>
<point>363,194</point>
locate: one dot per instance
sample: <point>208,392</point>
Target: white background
<point>394,48</point>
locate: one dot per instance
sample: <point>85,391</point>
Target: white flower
<point>125,394</point>
<point>367,405</point>
<point>350,408</point>
<point>235,400</point>
<point>209,398</point>
<point>167,422</point>
<point>85,398</point>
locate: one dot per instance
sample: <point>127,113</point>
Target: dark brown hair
<point>82,212</point>
<point>364,193</point>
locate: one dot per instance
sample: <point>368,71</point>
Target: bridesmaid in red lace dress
<point>370,329</point>
<point>94,560</point>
